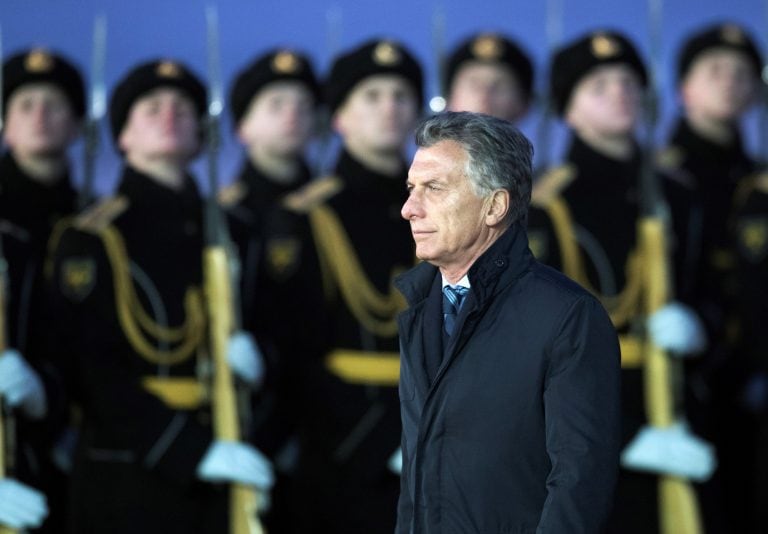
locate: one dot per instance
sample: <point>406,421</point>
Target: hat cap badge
<point>386,54</point>
<point>285,62</point>
<point>38,61</point>
<point>168,69</point>
<point>604,46</point>
<point>487,47</point>
<point>732,34</point>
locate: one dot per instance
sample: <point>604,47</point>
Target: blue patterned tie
<point>453,298</point>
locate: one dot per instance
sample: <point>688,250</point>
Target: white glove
<point>245,358</point>
<point>670,451</point>
<point>232,461</point>
<point>677,328</point>
<point>20,386</point>
<point>20,505</point>
<point>395,463</point>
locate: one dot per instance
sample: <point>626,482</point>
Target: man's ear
<point>497,207</point>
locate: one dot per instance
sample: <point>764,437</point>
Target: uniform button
<point>500,262</point>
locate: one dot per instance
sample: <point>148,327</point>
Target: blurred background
<point>138,30</point>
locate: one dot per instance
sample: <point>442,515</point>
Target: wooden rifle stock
<point>678,507</point>
<point>218,288</point>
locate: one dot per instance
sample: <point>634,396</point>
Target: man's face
<point>39,121</point>
<point>378,114</point>
<point>487,88</point>
<point>448,220</point>
<point>606,102</point>
<point>719,85</point>
<point>162,124</point>
<point>279,119</point>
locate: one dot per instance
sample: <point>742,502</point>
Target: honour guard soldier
<point>489,73</point>
<point>273,102</point>
<point>43,104</point>
<point>351,421</point>
<point>586,225</point>
<point>126,280</point>
<point>718,75</point>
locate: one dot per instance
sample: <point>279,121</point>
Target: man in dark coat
<point>510,392</point>
<point>43,103</point>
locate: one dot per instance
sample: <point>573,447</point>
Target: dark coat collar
<point>503,263</point>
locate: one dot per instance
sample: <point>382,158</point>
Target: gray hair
<point>499,156</point>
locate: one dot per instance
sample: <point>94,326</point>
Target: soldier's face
<point>378,114</point>
<point>487,88</point>
<point>606,102</point>
<point>719,85</point>
<point>39,121</point>
<point>279,119</point>
<point>450,224</point>
<point>162,124</point>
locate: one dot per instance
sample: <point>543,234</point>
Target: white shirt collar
<point>464,282</point>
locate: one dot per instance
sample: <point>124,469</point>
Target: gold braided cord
<point>375,311</point>
<point>622,307</point>
<point>133,317</point>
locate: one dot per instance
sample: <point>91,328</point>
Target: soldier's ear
<point>497,207</point>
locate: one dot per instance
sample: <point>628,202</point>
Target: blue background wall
<point>142,29</point>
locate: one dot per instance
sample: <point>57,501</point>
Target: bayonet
<point>96,109</point>
<point>554,31</point>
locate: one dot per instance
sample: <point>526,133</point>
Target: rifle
<point>5,418</point>
<point>678,508</point>
<point>220,298</point>
<point>96,108</point>
<point>554,32</point>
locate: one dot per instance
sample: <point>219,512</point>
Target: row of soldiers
<point>107,370</point>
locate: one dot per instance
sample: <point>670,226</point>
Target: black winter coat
<point>519,431</point>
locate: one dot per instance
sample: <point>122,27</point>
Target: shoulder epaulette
<point>232,194</point>
<point>313,194</point>
<point>549,185</point>
<point>101,214</point>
